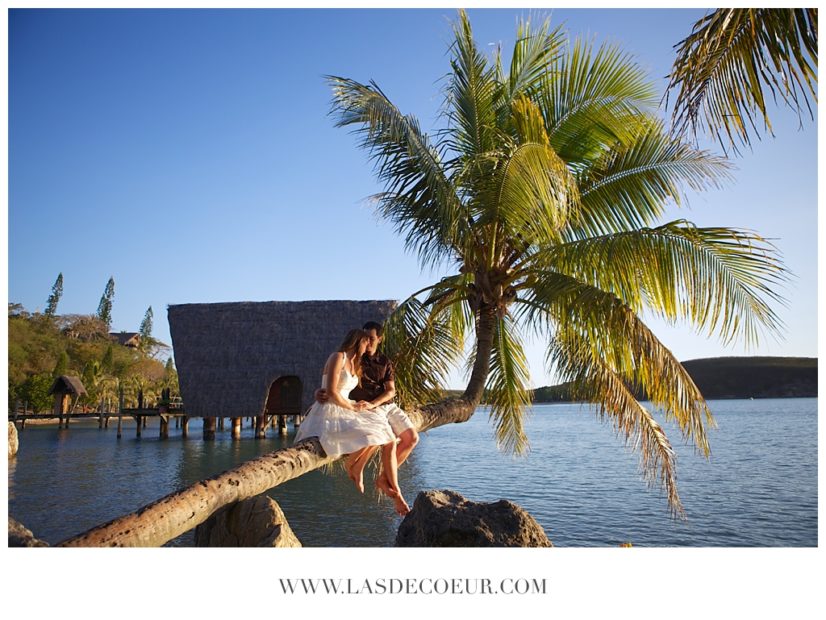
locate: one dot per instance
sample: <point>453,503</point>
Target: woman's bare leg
<point>356,463</point>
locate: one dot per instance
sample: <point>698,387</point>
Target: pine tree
<point>146,325</point>
<point>105,306</point>
<point>54,298</point>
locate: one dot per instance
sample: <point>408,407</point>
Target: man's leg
<point>408,438</point>
<point>407,441</point>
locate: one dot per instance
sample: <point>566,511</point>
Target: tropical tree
<point>733,59</point>
<point>146,324</point>
<point>104,312</point>
<point>543,192</point>
<point>54,297</point>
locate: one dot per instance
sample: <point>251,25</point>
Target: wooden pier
<point>165,415</point>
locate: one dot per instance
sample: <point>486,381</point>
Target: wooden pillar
<point>236,428</point>
<point>221,423</point>
<point>296,421</point>
<point>144,418</point>
<point>164,433</point>
<point>209,428</point>
<point>260,426</point>
<point>58,409</point>
<point>120,425</point>
<point>185,426</point>
<point>274,421</point>
<point>138,426</point>
<point>282,425</point>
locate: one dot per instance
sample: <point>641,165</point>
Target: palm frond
<point>507,390</point>
<point>732,59</point>
<point>424,348</point>
<point>721,280</point>
<point>629,186</point>
<point>592,380</point>
<point>593,98</point>
<point>471,94</point>
<point>534,192</point>
<point>621,340</point>
<point>533,53</point>
<point>419,197</point>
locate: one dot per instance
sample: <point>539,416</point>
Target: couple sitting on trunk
<point>354,413</point>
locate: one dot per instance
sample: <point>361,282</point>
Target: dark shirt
<point>376,371</point>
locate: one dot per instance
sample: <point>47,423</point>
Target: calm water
<point>758,489</point>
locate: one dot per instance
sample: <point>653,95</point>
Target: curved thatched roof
<point>228,354</point>
<point>66,383</point>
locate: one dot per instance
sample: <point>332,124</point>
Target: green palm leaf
<point>591,99</point>
<point>719,279</point>
<point>507,390</point>
<point>732,57</point>
<point>592,380</point>
<point>424,346</point>
<point>629,185</point>
<point>419,197</point>
<point>618,337</point>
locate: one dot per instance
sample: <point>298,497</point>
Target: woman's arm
<point>334,365</point>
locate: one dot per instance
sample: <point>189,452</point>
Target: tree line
<point>44,346</point>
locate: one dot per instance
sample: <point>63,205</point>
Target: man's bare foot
<point>384,487</point>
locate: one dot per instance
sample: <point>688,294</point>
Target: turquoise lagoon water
<point>759,488</point>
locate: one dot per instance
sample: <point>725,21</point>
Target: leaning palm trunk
<point>177,513</point>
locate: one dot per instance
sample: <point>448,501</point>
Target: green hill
<point>734,377</point>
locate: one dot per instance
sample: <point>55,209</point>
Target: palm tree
<point>542,191</point>
<point>732,57</point>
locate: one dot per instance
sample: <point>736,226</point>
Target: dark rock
<point>21,536</point>
<point>254,522</point>
<point>446,519</point>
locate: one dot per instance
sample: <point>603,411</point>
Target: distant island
<point>733,377</point>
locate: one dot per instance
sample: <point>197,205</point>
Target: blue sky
<point>189,154</point>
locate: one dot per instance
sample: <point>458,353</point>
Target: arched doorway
<point>284,397</point>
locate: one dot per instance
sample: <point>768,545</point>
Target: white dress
<point>342,431</point>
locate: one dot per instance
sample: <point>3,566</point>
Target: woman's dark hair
<point>373,325</point>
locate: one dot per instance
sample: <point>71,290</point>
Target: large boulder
<point>21,536</point>
<point>13,442</point>
<point>254,522</point>
<point>446,519</point>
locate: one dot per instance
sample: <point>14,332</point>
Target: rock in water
<point>21,536</point>
<point>254,522</point>
<point>13,442</point>
<point>446,519</point>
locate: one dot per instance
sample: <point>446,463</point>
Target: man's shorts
<point>397,418</point>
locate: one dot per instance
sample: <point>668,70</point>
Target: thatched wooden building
<point>252,358</point>
<point>63,388</point>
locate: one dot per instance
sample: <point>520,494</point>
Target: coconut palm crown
<point>543,191</point>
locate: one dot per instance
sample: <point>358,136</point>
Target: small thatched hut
<point>63,388</point>
<point>250,358</point>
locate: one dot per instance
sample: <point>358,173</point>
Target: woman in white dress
<point>344,426</point>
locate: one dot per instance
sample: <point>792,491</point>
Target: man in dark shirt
<point>377,390</point>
